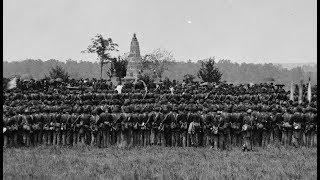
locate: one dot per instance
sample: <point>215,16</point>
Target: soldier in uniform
<point>247,131</point>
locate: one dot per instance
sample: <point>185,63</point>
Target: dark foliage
<point>119,67</point>
<point>58,72</point>
<point>208,72</point>
<point>188,78</point>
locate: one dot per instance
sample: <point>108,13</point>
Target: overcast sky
<point>259,31</point>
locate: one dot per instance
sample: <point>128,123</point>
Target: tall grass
<point>84,162</point>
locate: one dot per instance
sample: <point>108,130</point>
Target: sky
<point>253,31</point>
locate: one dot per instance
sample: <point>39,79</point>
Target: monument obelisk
<point>134,59</point>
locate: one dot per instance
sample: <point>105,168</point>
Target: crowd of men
<point>221,116</point>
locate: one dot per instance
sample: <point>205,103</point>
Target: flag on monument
<point>292,92</point>
<point>300,92</point>
<point>12,84</point>
<point>309,91</point>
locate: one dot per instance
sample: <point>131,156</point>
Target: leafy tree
<point>58,72</point>
<point>102,47</point>
<point>208,72</point>
<point>188,78</point>
<point>157,62</point>
<point>118,67</point>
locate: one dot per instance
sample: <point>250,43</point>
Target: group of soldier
<point>219,116</point>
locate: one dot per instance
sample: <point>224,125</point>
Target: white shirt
<point>171,89</point>
<point>119,88</point>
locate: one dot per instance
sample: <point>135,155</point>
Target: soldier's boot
<point>283,138</point>
<point>92,139</point>
<point>5,141</point>
<point>123,142</point>
<point>85,138</point>
<point>35,139</point>
<point>24,139</point>
<point>27,139</point>
<point>107,144</point>
<point>162,140</point>
<point>233,140</point>
<point>95,139</point>
<point>100,139</point>
<point>140,138</point>
<point>271,137</point>
<point>16,138</point>
<point>157,138</point>
<point>295,139</point>
<point>229,142</point>
<point>117,138</point>
<point>181,139</point>
<point>173,139</point>
<point>177,138</point>
<point>39,138</point>
<point>133,139</point>
<point>304,139</point>
<point>59,137</point>
<point>10,139</point>
<point>64,138</point>
<point>152,137</point>
<point>69,137</point>
<point>54,141</point>
<point>189,140</point>
<point>289,138</point>
<point>148,138</point>
<point>50,138</point>
<point>314,140</point>
<point>264,139</point>
<point>104,139</point>
<point>220,141</point>
<point>215,142</point>
<point>309,139</point>
<point>44,138</point>
<point>75,139</point>
<point>79,139</point>
<point>184,139</point>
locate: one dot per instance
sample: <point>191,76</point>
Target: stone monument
<point>134,59</point>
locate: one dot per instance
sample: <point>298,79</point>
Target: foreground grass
<point>159,163</point>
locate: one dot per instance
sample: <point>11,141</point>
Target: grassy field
<point>158,163</point>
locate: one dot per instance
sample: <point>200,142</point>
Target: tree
<point>58,72</point>
<point>102,47</point>
<point>208,72</point>
<point>157,62</point>
<point>188,78</point>
<point>118,67</point>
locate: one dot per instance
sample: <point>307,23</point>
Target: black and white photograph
<point>159,89</point>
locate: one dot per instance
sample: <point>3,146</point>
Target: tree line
<point>231,72</point>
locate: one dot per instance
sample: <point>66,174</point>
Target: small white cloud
<point>189,22</point>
